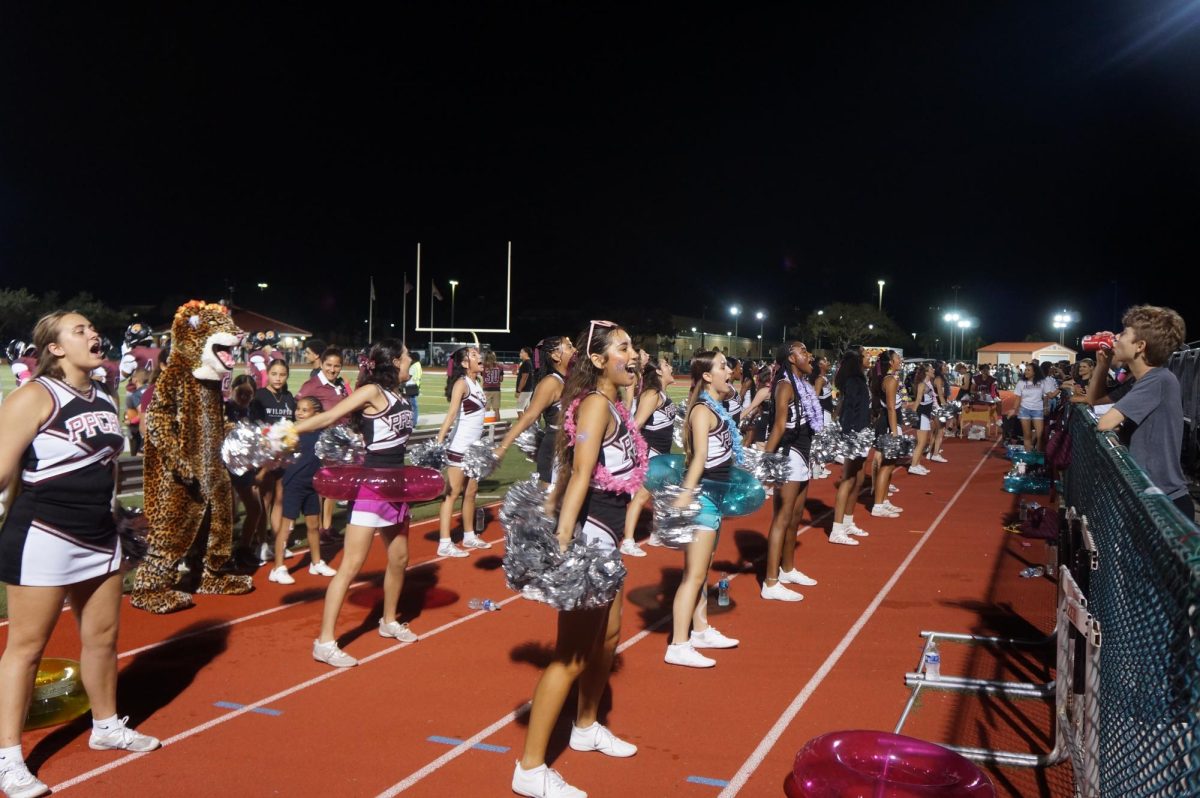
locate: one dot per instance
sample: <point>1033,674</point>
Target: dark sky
<point>1038,155</point>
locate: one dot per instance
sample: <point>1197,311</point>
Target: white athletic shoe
<point>330,654</point>
<point>475,542</point>
<point>18,782</point>
<point>654,540</point>
<point>892,489</point>
<point>121,737</point>
<point>543,782</point>
<point>854,529</point>
<point>918,470</point>
<point>937,458</point>
<point>321,568</point>
<point>281,576</point>
<point>450,550</point>
<point>795,577</point>
<point>843,538</point>
<point>881,510</point>
<point>599,738</point>
<point>888,504</point>
<point>711,638</point>
<point>398,630</point>
<point>630,548</point>
<point>685,654</point>
<point>778,592</point>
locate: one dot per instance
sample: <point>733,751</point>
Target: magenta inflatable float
<point>875,764</point>
<point>403,484</point>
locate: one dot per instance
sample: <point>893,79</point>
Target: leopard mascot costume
<point>185,480</point>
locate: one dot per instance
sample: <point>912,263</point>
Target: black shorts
<point>301,501</point>
<point>659,440</point>
<point>545,455</point>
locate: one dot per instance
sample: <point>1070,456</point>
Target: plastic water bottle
<point>480,519</point>
<point>933,662</point>
<point>723,592</point>
<point>1023,512</point>
<point>487,605</point>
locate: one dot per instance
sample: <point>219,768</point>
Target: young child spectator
<point>133,409</point>
<point>299,497</point>
<point>493,375</point>
<point>1150,415</point>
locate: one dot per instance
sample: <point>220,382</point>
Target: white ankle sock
<point>444,541</point>
<point>847,520</point>
<point>838,526</point>
<point>104,724</point>
<point>468,535</point>
<point>11,757</point>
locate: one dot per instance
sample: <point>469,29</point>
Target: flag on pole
<point>407,285</point>
<point>372,288</point>
<point>436,293</point>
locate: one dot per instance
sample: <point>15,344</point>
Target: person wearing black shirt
<point>524,387</point>
<point>270,405</point>
<point>854,415</point>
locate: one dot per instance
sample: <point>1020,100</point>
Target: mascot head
<point>203,337</point>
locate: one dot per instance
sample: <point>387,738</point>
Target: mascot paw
<point>225,584</point>
<point>160,602</point>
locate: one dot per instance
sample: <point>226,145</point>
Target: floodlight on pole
<point>453,292</point>
<point>761,315</point>
<point>950,318</point>
<point>735,311</point>
<point>881,284</point>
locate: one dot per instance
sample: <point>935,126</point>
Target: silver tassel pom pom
<point>767,467</point>
<point>675,526</point>
<point>430,454</point>
<point>340,445</point>
<point>479,461</point>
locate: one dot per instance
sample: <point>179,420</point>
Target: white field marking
<point>271,699</point>
<point>483,734</point>
<point>768,742</point>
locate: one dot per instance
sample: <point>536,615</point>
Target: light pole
<point>950,318</point>
<point>761,315</point>
<point>964,325</point>
<point>881,296</point>
<point>820,324</point>
<point>1061,320</point>
<point>735,311</point>
<point>453,291</point>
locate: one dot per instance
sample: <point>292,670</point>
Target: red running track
<point>231,688</point>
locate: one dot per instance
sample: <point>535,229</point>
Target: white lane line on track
<point>271,699</point>
<point>483,734</point>
<point>768,742</point>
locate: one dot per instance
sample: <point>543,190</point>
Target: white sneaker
<point>778,592</point>
<point>475,542</point>
<point>711,638</point>
<point>937,458</point>
<point>598,738</point>
<point>631,548</point>
<point>918,470</point>
<point>892,489</point>
<point>881,511</point>
<point>18,782</point>
<point>398,630</point>
<point>330,654</point>
<point>654,540</point>
<point>685,654</point>
<point>842,537</point>
<point>543,782</point>
<point>795,577</point>
<point>121,737</point>
<point>281,576</point>
<point>888,504</point>
<point>264,554</point>
<point>854,529</point>
<point>450,550</point>
<point>320,568</point>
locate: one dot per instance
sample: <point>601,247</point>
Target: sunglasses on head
<point>592,328</point>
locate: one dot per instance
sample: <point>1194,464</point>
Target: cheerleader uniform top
<point>66,486</point>
<point>796,429</point>
<point>659,428</point>
<point>734,405</point>
<point>554,409</point>
<point>719,458</point>
<point>825,397</point>
<point>386,433</point>
<point>928,398</point>
<point>468,427</point>
<point>603,511</point>
<point>883,425</point>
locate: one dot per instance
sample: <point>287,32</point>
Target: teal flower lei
<point>719,410</point>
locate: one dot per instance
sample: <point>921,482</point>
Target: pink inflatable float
<point>875,764</point>
<point>403,484</point>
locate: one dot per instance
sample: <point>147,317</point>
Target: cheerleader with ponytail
<point>655,416</point>
<point>551,359</point>
<point>467,406</point>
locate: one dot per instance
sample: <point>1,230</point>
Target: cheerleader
<point>797,416</point>
<point>59,540</point>
<point>823,387</point>
<point>758,414</point>
<point>854,416</point>
<point>386,422</point>
<point>733,396</point>
<point>710,440</point>
<point>551,358</point>
<point>924,402</point>
<point>467,407</point>
<point>655,417</point>
<point>941,391</point>
<point>885,389</point>
<point>602,460</point>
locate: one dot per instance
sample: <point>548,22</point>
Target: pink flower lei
<point>601,476</point>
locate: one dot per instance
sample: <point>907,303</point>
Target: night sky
<point>1040,155</point>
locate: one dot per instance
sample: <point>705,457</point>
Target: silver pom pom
<point>677,425</point>
<point>529,441</point>
<point>430,454</point>
<point>674,525</point>
<point>250,446</point>
<point>908,418</point>
<point>582,577</point>
<point>479,461</point>
<point>340,445</point>
<point>947,411</point>
<point>895,447</point>
<point>767,467</point>
<point>828,445</point>
<point>860,443</point>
